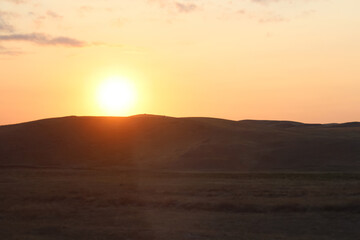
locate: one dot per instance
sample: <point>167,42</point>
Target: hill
<point>149,142</point>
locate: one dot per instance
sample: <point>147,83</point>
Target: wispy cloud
<point>16,1</point>
<point>86,8</point>
<point>185,7</point>
<point>181,7</point>
<point>43,39</point>
<point>4,25</point>
<point>39,19</point>
<point>9,51</point>
<point>53,14</point>
<point>271,18</point>
<point>274,11</point>
<point>269,1</point>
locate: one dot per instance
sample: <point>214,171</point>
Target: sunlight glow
<point>116,96</point>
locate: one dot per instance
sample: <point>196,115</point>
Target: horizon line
<point>161,115</point>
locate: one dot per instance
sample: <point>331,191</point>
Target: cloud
<point>43,39</point>
<point>185,7</point>
<point>86,8</point>
<point>270,11</point>
<point>83,10</point>
<point>16,1</point>
<point>272,18</point>
<point>53,15</point>
<point>10,52</point>
<point>180,7</point>
<point>39,19</point>
<point>268,1</point>
<point>263,1</point>
<point>4,25</point>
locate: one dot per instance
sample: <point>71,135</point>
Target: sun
<point>116,95</point>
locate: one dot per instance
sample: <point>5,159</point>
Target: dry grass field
<point>127,204</point>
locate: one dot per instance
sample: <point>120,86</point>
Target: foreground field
<point>125,204</point>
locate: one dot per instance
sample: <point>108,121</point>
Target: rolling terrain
<point>159,142</point>
<point>151,177</point>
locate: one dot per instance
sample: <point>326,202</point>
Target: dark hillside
<point>148,141</point>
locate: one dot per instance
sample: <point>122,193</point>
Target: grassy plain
<point>128,204</point>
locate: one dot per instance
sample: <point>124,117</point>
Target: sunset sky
<point>241,59</point>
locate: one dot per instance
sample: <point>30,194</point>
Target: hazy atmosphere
<point>179,119</point>
<point>240,59</point>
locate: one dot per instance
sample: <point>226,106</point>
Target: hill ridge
<point>154,141</point>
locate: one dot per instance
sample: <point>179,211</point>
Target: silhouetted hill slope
<point>148,141</point>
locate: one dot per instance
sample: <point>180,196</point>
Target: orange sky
<point>245,59</point>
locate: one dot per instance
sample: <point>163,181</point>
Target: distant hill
<point>149,142</point>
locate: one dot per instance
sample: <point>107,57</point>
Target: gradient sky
<point>240,59</point>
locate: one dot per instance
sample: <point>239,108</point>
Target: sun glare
<point>116,96</point>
